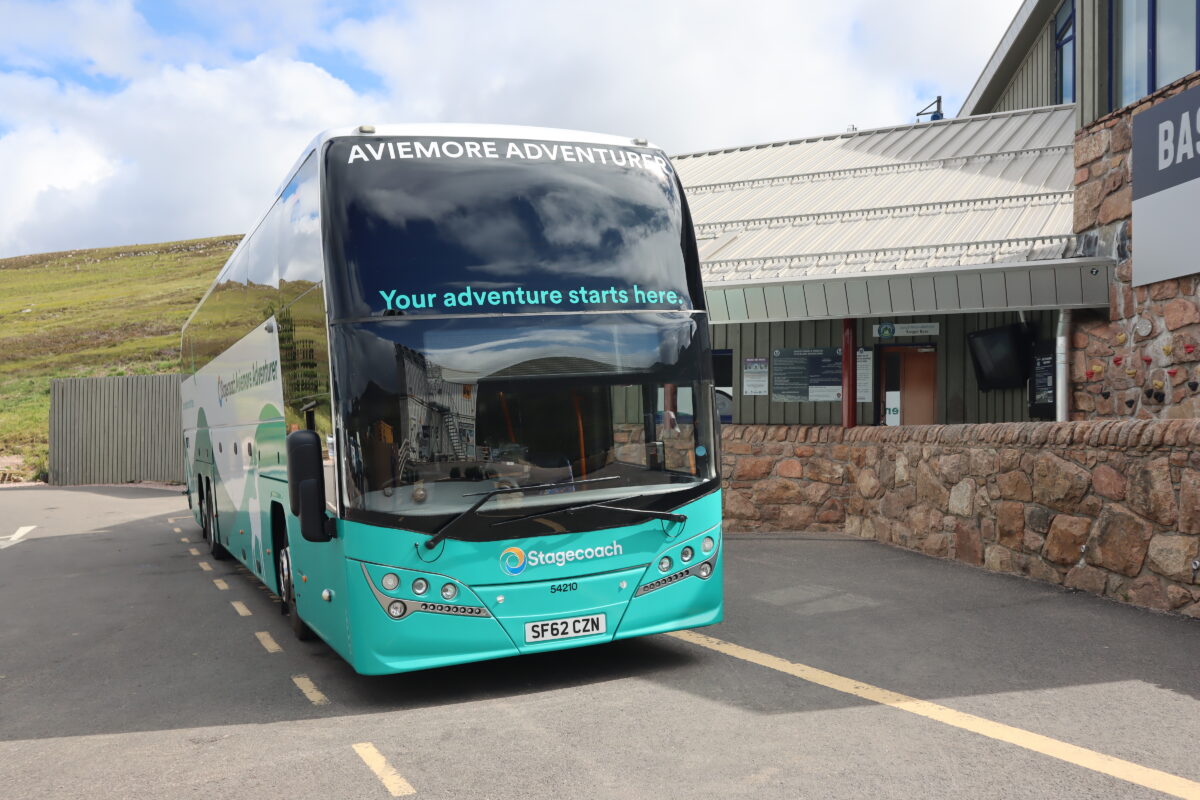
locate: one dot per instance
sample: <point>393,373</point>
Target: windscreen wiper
<point>668,515</point>
<point>444,530</point>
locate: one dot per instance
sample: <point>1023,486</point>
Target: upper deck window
<point>423,226</point>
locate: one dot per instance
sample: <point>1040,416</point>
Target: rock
<point>738,506</point>
<point>825,471</point>
<point>1150,492</point>
<point>1120,541</point>
<point>778,490</point>
<point>1171,556</point>
<point>1090,147</point>
<point>1107,482</point>
<point>1067,535</point>
<point>1192,611</point>
<point>951,468</point>
<point>1147,592</point>
<point>1189,501</point>
<point>753,468</point>
<point>967,544</point>
<point>1014,486</point>
<point>1118,205</point>
<point>983,462</point>
<point>1179,312</point>
<point>902,469</point>
<point>1038,518</point>
<point>832,511</point>
<point>1178,596</point>
<point>796,517</point>
<point>1087,579</point>
<point>868,483</point>
<point>999,559</point>
<point>1059,484</point>
<point>936,544</point>
<point>896,502</point>
<point>790,468</point>
<point>930,489</point>
<point>1010,524</point>
<point>1038,569</point>
<point>961,497</point>
<point>1032,541</point>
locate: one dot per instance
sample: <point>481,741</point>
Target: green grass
<point>88,313</point>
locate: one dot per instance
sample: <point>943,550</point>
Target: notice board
<point>806,374</point>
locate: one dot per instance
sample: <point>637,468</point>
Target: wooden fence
<point>115,430</point>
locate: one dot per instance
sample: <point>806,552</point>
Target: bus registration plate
<point>564,628</point>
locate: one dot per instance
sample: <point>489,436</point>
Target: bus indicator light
<point>708,544</point>
<point>391,581</point>
<point>664,564</point>
<point>449,591</point>
<point>420,586</point>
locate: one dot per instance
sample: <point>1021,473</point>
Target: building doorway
<point>907,384</point>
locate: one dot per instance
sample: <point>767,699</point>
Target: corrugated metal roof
<point>992,190</point>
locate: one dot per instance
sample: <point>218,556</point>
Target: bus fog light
<point>396,609</point>
<point>391,581</point>
<point>449,591</point>
<point>708,544</point>
<point>664,564</point>
<point>420,586</point>
<point>705,569</point>
<point>686,554</point>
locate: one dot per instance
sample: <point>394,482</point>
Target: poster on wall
<point>806,375</point>
<point>1041,381</point>
<point>864,366</point>
<point>754,377</point>
<point>891,408</point>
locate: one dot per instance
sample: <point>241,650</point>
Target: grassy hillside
<point>87,313</point>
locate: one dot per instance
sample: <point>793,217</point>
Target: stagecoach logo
<point>514,560</point>
<point>258,374</point>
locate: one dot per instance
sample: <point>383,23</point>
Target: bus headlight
<point>396,609</point>
<point>449,591</point>
<point>664,564</point>
<point>391,581</point>
<point>705,569</point>
<point>686,554</point>
<point>708,544</point>
<point>420,586</point>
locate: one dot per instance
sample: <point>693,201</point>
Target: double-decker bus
<point>451,399</point>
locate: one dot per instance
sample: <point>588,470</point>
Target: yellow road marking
<point>221,584</point>
<point>184,539</point>
<point>310,690</point>
<point>269,643</point>
<point>207,567</point>
<point>1088,759</point>
<point>240,607</point>
<point>178,530</point>
<point>392,781</point>
<point>193,551</point>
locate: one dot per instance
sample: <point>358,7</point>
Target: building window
<point>1152,43</point>
<point>1064,50</point>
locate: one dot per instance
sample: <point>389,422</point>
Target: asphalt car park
<point>131,664</point>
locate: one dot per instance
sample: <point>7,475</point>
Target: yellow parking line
<point>193,551</point>
<point>204,565</point>
<point>184,539</point>
<point>268,642</point>
<point>240,607</point>
<point>221,584</point>
<point>178,530</point>
<point>1088,759</point>
<point>392,781</point>
<point>310,690</point>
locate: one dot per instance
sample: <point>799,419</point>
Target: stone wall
<point>1116,369</point>
<point>1107,506</point>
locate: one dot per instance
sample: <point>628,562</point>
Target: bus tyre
<point>288,587</point>
<point>215,548</point>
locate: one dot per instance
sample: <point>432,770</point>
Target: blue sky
<point>125,122</point>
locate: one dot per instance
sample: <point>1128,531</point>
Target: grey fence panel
<point>115,430</point>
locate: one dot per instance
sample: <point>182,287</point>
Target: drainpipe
<point>1062,367</point>
<point>849,375</point>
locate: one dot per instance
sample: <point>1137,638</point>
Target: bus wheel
<point>288,588</point>
<point>215,548</point>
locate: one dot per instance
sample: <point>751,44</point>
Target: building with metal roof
<point>964,224</point>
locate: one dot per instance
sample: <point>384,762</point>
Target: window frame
<point>1064,34</point>
<point>1150,51</point>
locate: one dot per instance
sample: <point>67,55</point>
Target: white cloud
<point>194,140</point>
